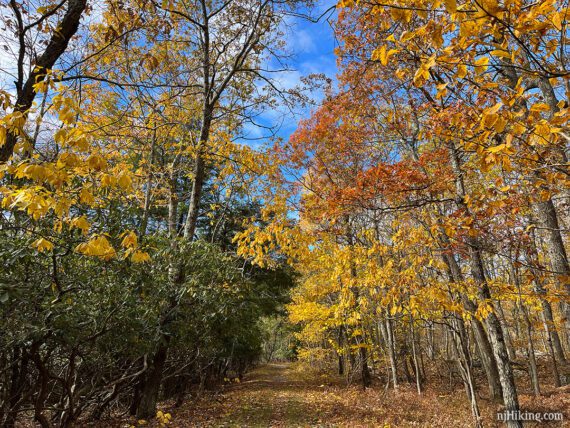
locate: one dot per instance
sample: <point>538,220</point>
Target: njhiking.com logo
<point>525,416</point>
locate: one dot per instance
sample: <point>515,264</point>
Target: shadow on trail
<point>275,395</point>
<point>279,396</point>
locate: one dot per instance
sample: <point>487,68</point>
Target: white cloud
<point>301,41</point>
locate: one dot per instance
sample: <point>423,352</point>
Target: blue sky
<point>311,48</point>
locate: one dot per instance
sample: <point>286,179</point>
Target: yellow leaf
<point>125,181</point>
<point>461,71</point>
<point>497,149</point>
<point>2,136</point>
<point>501,54</point>
<point>400,74</point>
<point>481,64</point>
<point>81,223</point>
<point>388,55</point>
<point>60,136</point>
<point>86,197</point>
<point>140,257</point>
<point>130,240</point>
<point>379,54</point>
<point>96,162</point>
<point>451,6</point>
<point>42,245</point>
<point>406,35</point>
<point>108,180</point>
<point>99,246</point>
<point>382,55</point>
<point>430,62</point>
<point>494,109</point>
<point>540,107</point>
<point>499,125</point>
<point>491,6</point>
<point>489,120</point>
<point>557,21</point>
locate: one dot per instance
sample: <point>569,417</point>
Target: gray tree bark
<point>494,329</point>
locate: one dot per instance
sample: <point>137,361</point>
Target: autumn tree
<point>447,121</point>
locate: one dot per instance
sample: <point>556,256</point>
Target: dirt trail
<point>270,396</point>
<point>277,396</point>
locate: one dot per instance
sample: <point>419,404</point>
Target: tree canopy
<point>421,207</point>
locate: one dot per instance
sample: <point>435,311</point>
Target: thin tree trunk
<point>199,176</point>
<point>415,356</point>
<point>533,372</point>
<point>19,371</point>
<point>481,338</point>
<point>43,375</point>
<point>391,350</point>
<point>459,338</point>
<point>340,357</point>
<point>431,341</point>
<point>531,355</point>
<point>364,369</point>
<point>148,191</point>
<point>553,363</point>
<point>548,317</point>
<point>508,341</point>
<point>495,332</point>
<point>172,203</point>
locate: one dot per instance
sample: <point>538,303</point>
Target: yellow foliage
<point>42,245</point>
<point>81,223</point>
<point>130,240</point>
<point>97,246</point>
<point>140,257</point>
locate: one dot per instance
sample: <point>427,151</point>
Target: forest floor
<point>280,395</point>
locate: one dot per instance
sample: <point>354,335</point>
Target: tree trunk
<point>172,203</point>
<point>148,191</point>
<point>479,333</point>
<point>26,91</point>
<point>464,362</point>
<point>533,372</point>
<point>548,221</point>
<point>340,357</point>
<point>19,372</point>
<point>487,358</point>
<point>495,332</point>
<point>364,369</point>
<point>151,386</point>
<point>415,357</point>
<point>431,341</point>
<point>550,328</point>
<point>508,341</point>
<point>391,350</point>
<point>553,363</point>
<point>530,352</point>
<point>199,176</point>
<point>42,388</point>
<point>547,315</point>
